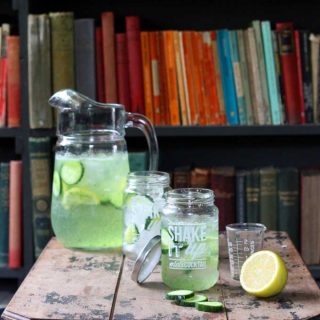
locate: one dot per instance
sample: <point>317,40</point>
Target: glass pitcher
<point>91,167</point>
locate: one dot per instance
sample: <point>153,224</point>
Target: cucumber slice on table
<point>56,186</point>
<point>72,172</point>
<point>191,302</point>
<point>166,241</point>
<point>179,294</point>
<point>209,306</point>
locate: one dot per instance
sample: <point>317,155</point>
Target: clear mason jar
<point>144,198</point>
<point>190,239</point>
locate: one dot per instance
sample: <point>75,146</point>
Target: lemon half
<point>263,274</point>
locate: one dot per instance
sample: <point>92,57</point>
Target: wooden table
<point>67,284</point>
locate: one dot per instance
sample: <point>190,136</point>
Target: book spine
<point>15,214</point>
<point>217,68</point>
<point>135,63</point>
<point>181,178</point>
<point>241,102</point>
<point>262,71</point>
<point>306,75</point>
<point>253,196</point>
<point>138,161</point>
<point>109,60</point>
<point>254,77</point>
<point>4,213</point>
<point>85,63</point>
<point>228,85</point>
<point>14,96</point>
<point>240,195</point>
<point>315,53</point>
<point>271,73</point>
<point>288,203</point>
<point>62,45</point>
<point>188,57</point>
<point>40,71</point>
<point>289,71</point>
<point>147,80</point>
<point>209,78</point>
<point>179,72</point>
<point>245,76</point>
<point>3,91</point>
<point>171,78</point>
<point>268,198</point>
<point>300,81</point>
<point>155,73</point>
<point>41,191</point>
<point>99,65</point>
<point>122,62</point>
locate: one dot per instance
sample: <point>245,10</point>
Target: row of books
<point>11,214</point>
<point>247,76</point>
<point>10,96</point>
<point>283,199</point>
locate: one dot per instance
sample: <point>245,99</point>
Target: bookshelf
<point>241,146</point>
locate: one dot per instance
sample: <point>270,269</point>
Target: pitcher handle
<point>135,120</point>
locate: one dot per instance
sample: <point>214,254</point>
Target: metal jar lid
<point>147,260</point>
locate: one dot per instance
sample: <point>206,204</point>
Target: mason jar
<point>144,198</point>
<point>190,239</point>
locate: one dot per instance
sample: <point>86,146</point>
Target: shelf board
<point>315,271</point>
<point>9,132</point>
<point>212,131</point>
<point>6,273</point>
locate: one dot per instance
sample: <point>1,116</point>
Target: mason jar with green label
<point>190,239</point>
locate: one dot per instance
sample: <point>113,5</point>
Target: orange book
<point>109,59</point>
<point>210,84</point>
<point>171,78</point>
<point>181,83</point>
<point>165,115</point>
<point>147,78</point>
<point>198,79</point>
<point>155,74</point>
<point>13,80</point>
<point>188,58</point>
<point>15,214</point>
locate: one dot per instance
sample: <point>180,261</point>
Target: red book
<point>123,71</point>
<point>289,71</point>
<point>135,63</point>
<point>15,214</point>
<point>223,186</point>
<point>14,96</point>
<point>99,65</point>
<point>302,116</point>
<point>3,91</point>
<point>109,60</point>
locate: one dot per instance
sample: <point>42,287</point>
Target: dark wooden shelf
<point>9,132</point>
<point>6,273</point>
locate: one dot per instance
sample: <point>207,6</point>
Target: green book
<point>40,168</point>
<point>138,161</point>
<point>289,203</point>
<point>268,197</point>
<point>253,195</point>
<point>4,213</point>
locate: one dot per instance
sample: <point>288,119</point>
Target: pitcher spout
<point>70,99</point>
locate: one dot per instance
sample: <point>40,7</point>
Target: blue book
<point>4,213</point>
<point>138,161</point>
<point>271,73</point>
<point>228,84</point>
<point>235,58</point>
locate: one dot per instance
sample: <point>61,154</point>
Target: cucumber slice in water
<point>191,302</point>
<point>179,294</point>
<point>72,172</point>
<point>166,241</point>
<point>56,186</point>
<point>209,306</point>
